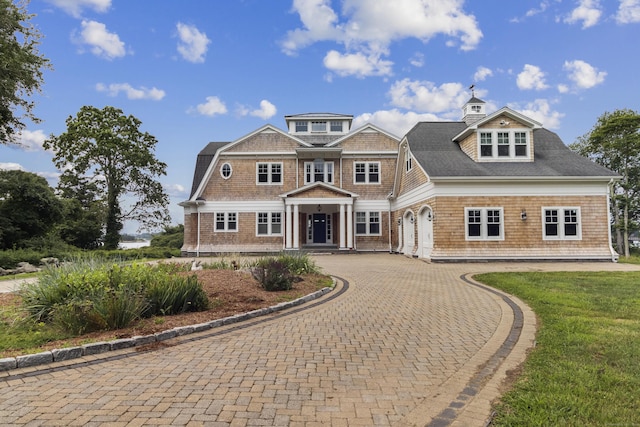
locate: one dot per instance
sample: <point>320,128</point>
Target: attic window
<point>503,145</point>
<point>225,170</point>
<point>302,126</point>
<point>336,126</point>
<point>475,108</point>
<point>318,126</point>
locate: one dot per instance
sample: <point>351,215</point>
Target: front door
<point>319,228</point>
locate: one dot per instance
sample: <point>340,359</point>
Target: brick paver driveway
<point>403,345</point>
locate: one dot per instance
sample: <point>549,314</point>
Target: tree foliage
<point>107,148</point>
<point>21,68</point>
<point>83,212</point>
<point>171,237</point>
<point>28,208</point>
<point>614,142</point>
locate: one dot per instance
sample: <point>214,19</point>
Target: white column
<point>343,226</point>
<point>350,226</point>
<point>288,227</point>
<point>296,227</point>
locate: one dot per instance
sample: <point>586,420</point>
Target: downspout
<point>389,223</point>
<point>198,202</point>
<point>614,254</point>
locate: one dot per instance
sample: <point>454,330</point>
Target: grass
<point>585,369</point>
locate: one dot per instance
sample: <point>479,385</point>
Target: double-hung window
<point>503,145</point>
<point>226,221</point>
<point>319,126</point>
<point>302,126</point>
<point>318,171</point>
<point>561,223</point>
<point>367,172</point>
<point>484,224</point>
<point>269,173</point>
<point>368,223</point>
<point>336,126</point>
<point>269,223</point>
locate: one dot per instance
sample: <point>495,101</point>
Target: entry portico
<point>317,215</point>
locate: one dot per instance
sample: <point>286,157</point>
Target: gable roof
<point>432,145</point>
<point>205,156</point>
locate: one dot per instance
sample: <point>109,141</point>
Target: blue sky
<point>196,71</point>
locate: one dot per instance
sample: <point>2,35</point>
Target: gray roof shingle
<point>432,146</point>
<point>205,156</point>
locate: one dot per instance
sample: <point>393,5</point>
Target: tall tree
<point>83,219</point>
<point>28,208</point>
<point>108,148</point>
<point>21,68</point>
<point>614,142</point>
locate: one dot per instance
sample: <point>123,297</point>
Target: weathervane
<point>473,94</point>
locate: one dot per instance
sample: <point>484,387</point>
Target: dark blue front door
<point>319,228</point>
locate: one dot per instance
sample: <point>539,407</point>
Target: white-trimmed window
<point>226,221</point>
<point>502,145</point>
<point>319,126</point>
<point>268,223</point>
<point>302,126</point>
<point>484,224</point>
<point>561,223</point>
<point>269,173</point>
<point>336,126</point>
<point>368,223</point>
<point>318,171</point>
<point>225,170</point>
<point>408,160</point>
<point>367,173</point>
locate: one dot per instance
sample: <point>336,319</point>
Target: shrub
<point>274,275</point>
<point>298,263</point>
<point>96,294</point>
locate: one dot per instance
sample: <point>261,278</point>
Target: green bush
<point>274,275</point>
<point>95,294</point>
<point>298,263</point>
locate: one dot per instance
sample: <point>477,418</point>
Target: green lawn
<point>585,368</point>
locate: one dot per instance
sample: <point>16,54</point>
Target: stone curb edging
<point>63,354</point>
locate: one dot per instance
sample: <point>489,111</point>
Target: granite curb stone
<point>59,355</point>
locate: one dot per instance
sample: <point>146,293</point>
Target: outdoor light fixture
<point>399,221</point>
<point>319,208</point>
<point>523,215</point>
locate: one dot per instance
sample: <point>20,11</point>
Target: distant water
<point>134,245</point>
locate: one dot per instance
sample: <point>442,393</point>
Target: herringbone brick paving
<point>394,349</point>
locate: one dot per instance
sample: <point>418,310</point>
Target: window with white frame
<point>319,126</point>
<point>504,144</point>
<point>367,172</point>
<point>561,223</point>
<point>226,221</point>
<point>269,223</point>
<point>269,173</point>
<point>408,160</point>
<point>318,171</point>
<point>302,126</point>
<point>368,223</point>
<point>336,126</point>
<point>225,171</point>
<point>484,224</point>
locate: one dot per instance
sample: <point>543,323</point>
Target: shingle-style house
<point>495,186</point>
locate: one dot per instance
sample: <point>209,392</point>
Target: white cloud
<point>11,167</point>
<point>540,111</point>
<point>584,75</point>
<point>531,77</point>
<point>417,60</point>
<point>481,74</point>
<point>175,190</point>
<point>393,121</point>
<point>132,93</point>
<point>193,43</point>
<point>562,88</point>
<point>588,12</point>
<point>628,12</point>
<point>366,28</point>
<point>425,96</point>
<point>266,110</point>
<point>102,43</point>
<point>31,140</point>
<point>357,64</point>
<point>75,7</point>
<point>212,107</point>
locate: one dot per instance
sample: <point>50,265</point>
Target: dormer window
<point>302,126</point>
<point>336,126</point>
<point>318,126</point>
<point>503,145</point>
